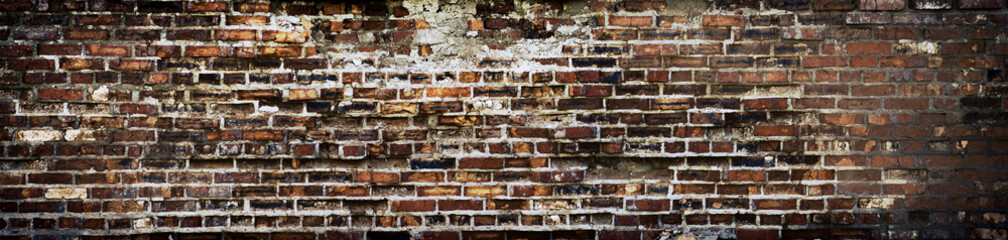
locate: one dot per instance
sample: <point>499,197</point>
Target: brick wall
<point>500,119</point>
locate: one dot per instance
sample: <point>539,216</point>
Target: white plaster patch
<point>269,109</point>
<point>883,203</point>
<point>39,135</point>
<point>100,94</point>
<point>79,135</point>
<point>66,193</point>
<point>931,5</point>
<point>420,6</point>
<point>916,47</point>
<point>142,223</point>
<point>486,105</point>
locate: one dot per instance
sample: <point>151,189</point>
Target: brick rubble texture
<point>503,119</point>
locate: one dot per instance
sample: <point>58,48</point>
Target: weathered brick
<point>60,94</point>
<point>303,94</point>
<point>108,50</point>
<point>882,4</point>
<point>39,34</point>
<point>931,4</point>
<point>868,18</point>
<point>981,4</point>
<point>413,206</point>
<point>631,21</point>
<point>834,5</point>
<point>869,48</point>
<point>724,21</point>
<point>207,6</point>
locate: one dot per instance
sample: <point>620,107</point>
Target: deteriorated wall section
<point>504,119</point>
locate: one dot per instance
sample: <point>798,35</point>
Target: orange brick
<point>631,21</point>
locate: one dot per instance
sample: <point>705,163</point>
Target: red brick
<point>31,64</point>
<point>961,48</point>
<point>776,130</point>
<point>247,20</point>
<point>60,94</point>
<point>108,50</point>
<point>207,51</point>
<point>882,4</point>
<point>631,21</point>
<point>824,61</point>
<point>834,5</point>
<point>648,205</point>
<point>614,34</point>
<point>591,90</point>
<point>413,206</point>
<point>448,92</point>
<point>15,51</point>
<point>724,21</point>
<point>304,149</point>
<point>249,7</point>
<point>39,34</point>
<point>757,234</point>
<point>775,204</point>
<point>236,35</point>
<point>641,6</point>
<point>765,103</point>
<point>864,61</point>
<point>869,18</point>
<point>485,191</point>
<point>580,132</point>
<point>279,51</point>
<point>654,49</point>
<point>207,6</point>
<point>59,49</point>
<point>455,205</point>
<point>981,4</point>
<point>481,163</point>
<point>132,64</point>
<point>377,177</point>
<point>97,20</point>
<point>869,48</point>
<point>86,34</point>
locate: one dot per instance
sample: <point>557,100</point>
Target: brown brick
<point>303,94</point>
<point>60,94</point>
<point>980,4</point>
<point>376,177</point>
<point>236,35</point>
<point>882,5</point>
<point>413,206</point>
<point>631,21</point>
<point>207,6</point>
<point>724,21</point>
<point>247,20</point>
<point>834,5</point>
<point>869,48</point>
<point>484,163</point>
<point>59,49</point>
<point>448,92</point>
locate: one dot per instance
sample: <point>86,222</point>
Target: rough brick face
<point>503,119</point>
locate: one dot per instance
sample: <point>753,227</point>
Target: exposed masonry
<point>498,119</point>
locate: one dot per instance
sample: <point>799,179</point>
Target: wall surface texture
<point>503,119</point>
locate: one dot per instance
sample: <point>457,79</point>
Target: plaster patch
<point>39,135</point>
